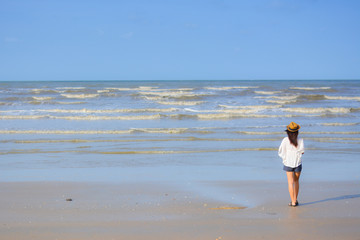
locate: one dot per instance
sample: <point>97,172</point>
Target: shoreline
<point>155,210</point>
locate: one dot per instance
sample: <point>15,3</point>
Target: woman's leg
<point>291,185</point>
<point>296,184</point>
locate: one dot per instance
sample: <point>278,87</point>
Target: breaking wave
<point>342,98</point>
<point>111,132</point>
<point>230,88</point>
<point>43,98</point>
<point>339,124</point>
<point>43,91</point>
<point>254,107</point>
<point>181,103</point>
<point>303,98</point>
<point>80,96</point>
<point>81,118</point>
<point>97,111</point>
<point>224,116</point>
<point>310,88</point>
<point>267,92</point>
<point>319,110</point>
<point>141,88</point>
<point>280,99</point>
<point>184,95</point>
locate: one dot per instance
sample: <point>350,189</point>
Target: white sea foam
<point>93,118</point>
<point>181,103</point>
<point>43,90</point>
<point>97,111</point>
<point>38,102</point>
<point>310,88</point>
<point>339,124</point>
<point>235,111</point>
<point>71,88</point>
<point>14,111</point>
<point>37,90</point>
<point>303,98</point>
<point>214,116</point>
<point>318,110</point>
<point>185,89</point>
<point>192,110</point>
<point>342,98</point>
<point>331,139</point>
<point>230,88</point>
<point>65,132</point>
<point>234,115</point>
<point>168,90</point>
<point>129,131</point>
<point>153,98</point>
<point>119,89</point>
<point>160,130</point>
<point>292,97</point>
<point>258,107</point>
<point>174,94</point>
<point>141,88</point>
<point>80,96</point>
<point>258,133</point>
<point>81,118</point>
<point>25,117</point>
<point>69,103</point>
<point>144,88</point>
<point>103,91</point>
<point>43,98</point>
<point>282,102</point>
<point>331,133</point>
<point>267,92</point>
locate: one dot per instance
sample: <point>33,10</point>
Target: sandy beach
<point>153,210</point>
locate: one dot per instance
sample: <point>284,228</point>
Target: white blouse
<point>290,154</point>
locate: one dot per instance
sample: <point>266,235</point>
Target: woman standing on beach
<point>291,149</point>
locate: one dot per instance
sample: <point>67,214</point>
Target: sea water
<point>175,130</point>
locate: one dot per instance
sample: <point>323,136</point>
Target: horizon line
<point>118,80</point>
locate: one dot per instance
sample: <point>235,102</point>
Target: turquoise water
<point>175,130</point>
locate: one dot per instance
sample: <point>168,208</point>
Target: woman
<point>291,150</point>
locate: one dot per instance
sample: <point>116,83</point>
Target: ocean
<point>175,130</point>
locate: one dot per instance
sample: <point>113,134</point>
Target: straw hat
<point>293,127</point>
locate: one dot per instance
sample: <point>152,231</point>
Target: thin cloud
<point>11,39</point>
<point>127,35</point>
<point>100,32</point>
<point>237,49</point>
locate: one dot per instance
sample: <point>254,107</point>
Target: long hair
<point>293,137</point>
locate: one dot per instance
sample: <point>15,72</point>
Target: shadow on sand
<point>333,199</point>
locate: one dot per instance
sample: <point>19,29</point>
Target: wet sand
<point>154,210</point>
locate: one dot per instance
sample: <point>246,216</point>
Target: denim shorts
<point>289,169</point>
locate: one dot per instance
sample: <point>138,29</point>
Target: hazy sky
<point>179,39</point>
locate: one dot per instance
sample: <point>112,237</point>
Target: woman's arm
<point>282,150</point>
<point>301,146</point>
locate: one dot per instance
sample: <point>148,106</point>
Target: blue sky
<point>179,39</point>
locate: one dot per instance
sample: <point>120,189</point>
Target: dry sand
<point>40,210</point>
